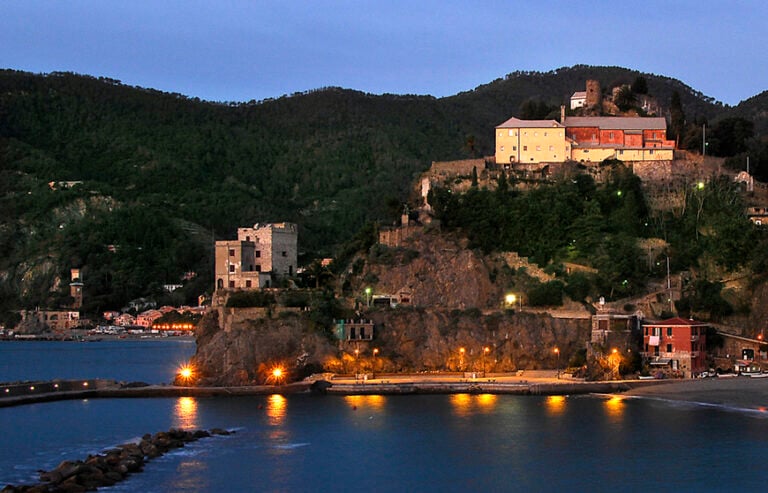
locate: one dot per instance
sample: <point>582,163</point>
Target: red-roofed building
<point>676,346</point>
<point>583,139</point>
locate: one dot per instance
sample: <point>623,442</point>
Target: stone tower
<point>76,289</point>
<point>594,95</point>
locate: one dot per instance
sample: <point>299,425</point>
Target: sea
<point>321,443</point>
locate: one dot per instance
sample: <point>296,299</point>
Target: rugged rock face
<point>245,352</point>
<point>456,303</point>
<point>429,340</point>
<point>438,271</point>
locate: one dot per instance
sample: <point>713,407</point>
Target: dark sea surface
<point>461,443</point>
<point>125,360</point>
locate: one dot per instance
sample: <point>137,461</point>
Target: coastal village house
<point>258,256</point>
<point>55,320</point>
<point>145,319</point>
<point>677,345</point>
<point>583,139</point>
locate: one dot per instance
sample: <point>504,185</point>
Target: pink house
<point>145,319</point>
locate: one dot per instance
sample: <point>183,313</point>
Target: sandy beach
<point>739,392</point>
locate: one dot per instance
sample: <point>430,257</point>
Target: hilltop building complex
<point>583,139</point>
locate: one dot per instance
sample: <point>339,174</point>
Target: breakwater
<point>111,466</point>
<point>33,392</point>
<point>526,388</point>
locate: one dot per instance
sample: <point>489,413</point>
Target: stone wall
<point>456,168</point>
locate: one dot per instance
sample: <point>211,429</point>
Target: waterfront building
<point>676,345</point>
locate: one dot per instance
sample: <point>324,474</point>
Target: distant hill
<point>164,174</point>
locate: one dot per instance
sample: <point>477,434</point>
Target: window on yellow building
<point>525,148</point>
<point>511,133</point>
<point>502,148</point>
<point>538,148</point>
<point>551,148</point>
<point>514,148</point>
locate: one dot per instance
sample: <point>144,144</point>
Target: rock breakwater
<point>113,465</point>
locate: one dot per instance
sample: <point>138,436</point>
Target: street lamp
<point>511,299</point>
<point>461,358</point>
<point>486,350</point>
<point>373,369</point>
<point>617,359</point>
<point>557,352</point>
<point>357,367</point>
<point>368,296</point>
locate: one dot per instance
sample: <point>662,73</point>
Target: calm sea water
<point>138,360</point>
<point>461,443</point>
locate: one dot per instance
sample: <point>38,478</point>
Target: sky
<point>238,50</point>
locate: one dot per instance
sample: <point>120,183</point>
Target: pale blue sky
<point>234,50</point>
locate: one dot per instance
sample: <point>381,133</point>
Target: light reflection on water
<point>555,405</point>
<point>276,409</point>
<point>614,408</point>
<point>468,404</point>
<point>456,443</point>
<point>185,413</point>
<point>366,402</point>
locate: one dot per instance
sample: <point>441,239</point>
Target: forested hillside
<point>163,174</point>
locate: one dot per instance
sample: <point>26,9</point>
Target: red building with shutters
<point>676,346</point>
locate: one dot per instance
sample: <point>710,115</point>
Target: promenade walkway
<point>532,383</point>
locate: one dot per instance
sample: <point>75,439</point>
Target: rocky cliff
<point>456,302</point>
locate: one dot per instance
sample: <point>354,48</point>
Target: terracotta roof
<point>518,123</point>
<point>677,321</point>
<point>617,122</point>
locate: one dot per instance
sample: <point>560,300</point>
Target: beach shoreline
<point>728,393</point>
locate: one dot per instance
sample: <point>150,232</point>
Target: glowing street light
<point>185,375</point>
<point>617,360</point>
<point>557,352</point>
<point>511,299</point>
<point>486,350</point>
<point>461,357</point>
<point>373,368</point>
<point>277,375</point>
<point>368,296</point>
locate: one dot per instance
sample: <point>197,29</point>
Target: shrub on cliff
<point>248,299</point>
<point>546,294</point>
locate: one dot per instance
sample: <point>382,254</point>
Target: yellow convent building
<point>531,141</point>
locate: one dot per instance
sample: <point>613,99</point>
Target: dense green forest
<point>575,220</point>
<point>162,175</point>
